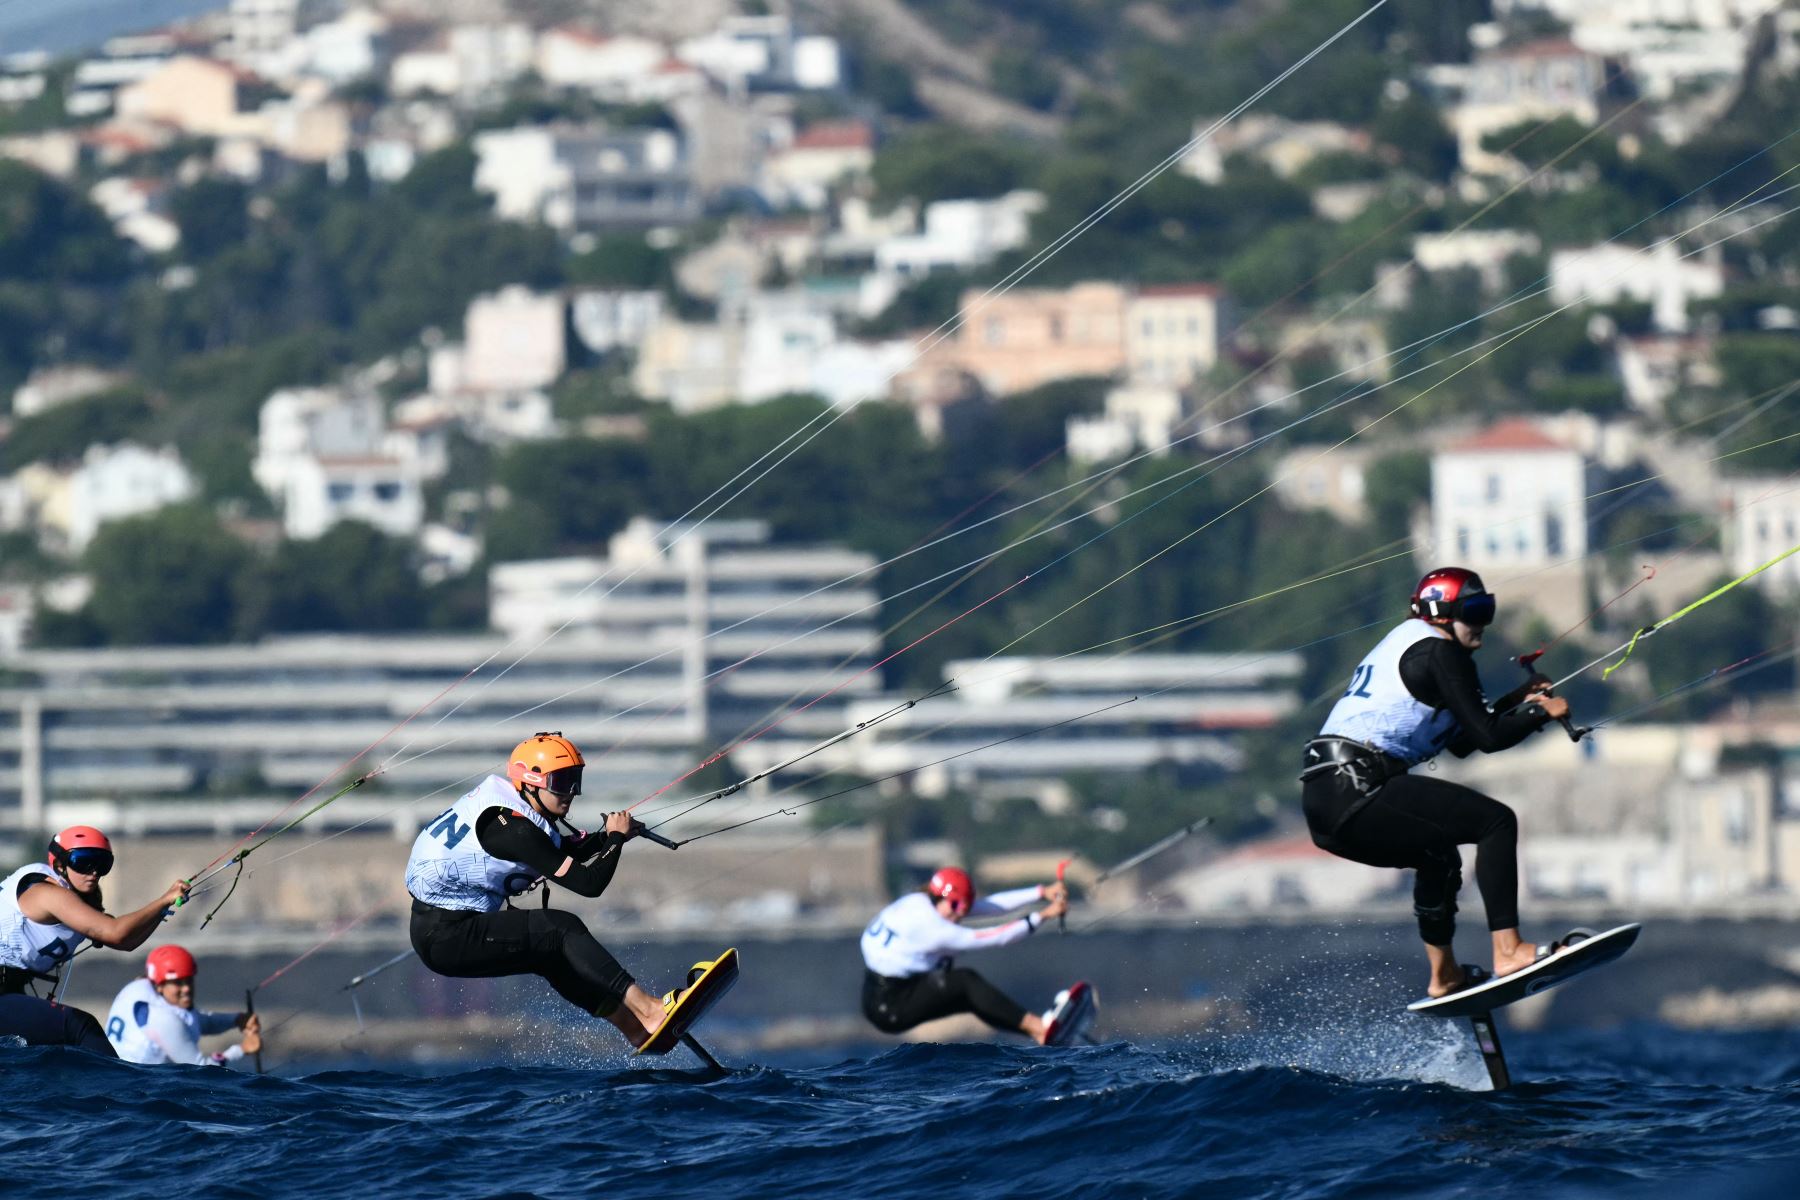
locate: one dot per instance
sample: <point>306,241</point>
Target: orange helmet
<point>547,760</point>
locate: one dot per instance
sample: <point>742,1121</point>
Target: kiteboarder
<point>906,949</point>
<point>153,1018</point>
<point>46,913</point>
<point>500,841</point>
<point>1415,694</point>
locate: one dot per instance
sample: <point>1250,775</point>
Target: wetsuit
<point>29,951</point>
<point>487,848</point>
<point>1416,694</point>
<point>909,977</point>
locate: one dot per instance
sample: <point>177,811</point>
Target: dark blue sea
<point>1401,1112</point>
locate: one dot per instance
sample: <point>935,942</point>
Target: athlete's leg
<point>43,1023</point>
<point>549,943</point>
<point>1418,823</point>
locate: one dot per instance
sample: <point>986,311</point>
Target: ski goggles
<point>1478,609</point>
<point>88,860</point>
<point>564,781</point>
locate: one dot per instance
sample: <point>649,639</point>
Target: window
<point>1056,329</point>
<point>1553,535</point>
<point>1493,486</point>
<point>1462,541</point>
<point>387,491</point>
<point>994,331</point>
<point>340,493</point>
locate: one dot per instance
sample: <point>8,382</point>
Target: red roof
<point>1181,289</point>
<point>584,36</point>
<point>1541,48</point>
<point>1515,434</point>
<point>836,135</point>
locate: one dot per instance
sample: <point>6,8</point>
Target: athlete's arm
<point>507,835</point>
<point>1005,902</point>
<point>1442,674</point>
<point>52,904</point>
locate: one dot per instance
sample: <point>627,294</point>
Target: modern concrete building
<point>755,629</point>
<point>1084,712</point>
<point>588,178</point>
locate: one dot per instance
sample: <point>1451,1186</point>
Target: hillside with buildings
<point>346,347</point>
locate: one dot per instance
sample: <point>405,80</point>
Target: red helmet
<point>170,962</point>
<point>953,884</point>
<point>81,848</point>
<point>1453,594</point>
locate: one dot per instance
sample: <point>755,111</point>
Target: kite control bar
<point>659,839</point>
<point>1575,732</point>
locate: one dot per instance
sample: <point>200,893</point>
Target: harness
<point>1365,768</point>
<point>17,981</point>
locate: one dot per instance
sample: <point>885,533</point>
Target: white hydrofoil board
<point>1540,976</point>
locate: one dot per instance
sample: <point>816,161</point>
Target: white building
<point>1508,498</point>
<point>515,340</point>
<point>608,67</point>
<point>821,157</point>
<point>48,387</point>
<point>1138,416</point>
<point>755,628</point>
<point>1331,479</point>
<point>754,53</point>
<point>122,481</point>
<point>296,424</point>
<point>587,178</point>
<point>1533,81</point>
<point>1661,277</point>
<point>606,319</point>
<point>1083,712</point>
<point>351,47</point>
<point>376,490</point>
<point>1653,369</point>
<point>122,61</point>
<point>961,233</point>
<point>1173,332</point>
<point>466,62</point>
<point>135,206</point>
<point>1282,145</point>
<point>1484,251</point>
<point>1765,522</point>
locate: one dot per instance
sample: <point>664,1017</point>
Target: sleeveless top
<point>448,867</point>
<point>1377,710</point>
<point>27,943</point>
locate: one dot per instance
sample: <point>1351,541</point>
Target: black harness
<point>1364,767</point>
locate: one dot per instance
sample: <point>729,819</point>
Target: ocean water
<point>1403,1112</point>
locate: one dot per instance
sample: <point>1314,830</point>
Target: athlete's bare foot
<point>1446,973</point>
<point>1511,954</point>
<point>1033,1027</point>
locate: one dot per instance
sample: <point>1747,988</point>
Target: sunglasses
<point>89,860</point>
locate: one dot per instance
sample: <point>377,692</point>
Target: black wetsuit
<point>1416,822</point>
<point>46,1023</point>
<point>894,1005</point>
<point>531,941</point>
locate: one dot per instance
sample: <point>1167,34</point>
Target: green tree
<point>943,162</point>
<point>351,578</point>
<point>213,214</point>
<point>167,578</point>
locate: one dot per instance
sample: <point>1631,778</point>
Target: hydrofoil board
<point>1070,1018</point>
<point>707,984</point>
<point>1548,972</point>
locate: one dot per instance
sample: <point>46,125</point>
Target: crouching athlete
<point>501,840</point>
<point>46,913</point>
<point>1415,694</point>
<point>906,949</point>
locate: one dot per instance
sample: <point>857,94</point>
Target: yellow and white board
<point>707,984</point>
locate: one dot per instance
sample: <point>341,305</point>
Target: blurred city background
<point>382,381</point>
